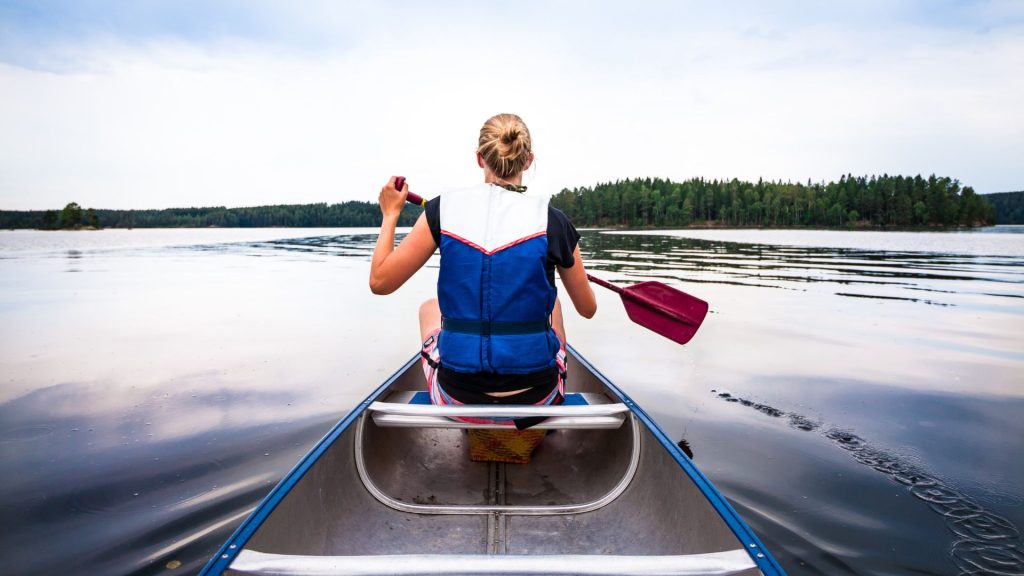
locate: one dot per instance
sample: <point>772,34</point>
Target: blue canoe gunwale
<point>759,555</point>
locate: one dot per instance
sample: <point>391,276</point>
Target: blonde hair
<point>505,145</point>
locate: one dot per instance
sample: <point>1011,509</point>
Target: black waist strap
<point>485,328</point>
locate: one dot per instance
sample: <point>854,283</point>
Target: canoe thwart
<point>731,562</point>
<point>580,411</point>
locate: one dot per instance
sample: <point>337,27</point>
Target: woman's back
<point>495,330</point>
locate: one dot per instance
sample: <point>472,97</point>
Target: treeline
<point>875,201</point>
<point>72,217</point>
<point>878,202</point>
<point>1009,207</point>
<point>347,214</point>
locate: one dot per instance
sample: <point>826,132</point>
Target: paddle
<point>658,307</point>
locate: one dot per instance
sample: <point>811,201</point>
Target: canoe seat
<point>731,562</point>
<point>580,410</point>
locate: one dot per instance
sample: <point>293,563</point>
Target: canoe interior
<point>330,512</point>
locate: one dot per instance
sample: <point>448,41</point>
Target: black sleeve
<point>432,211</point>
<point>562,239</point>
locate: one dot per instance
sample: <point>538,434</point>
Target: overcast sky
<point>154,104</point>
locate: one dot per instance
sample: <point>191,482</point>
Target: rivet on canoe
<point>233,546</point>
<point>224,556</point>
<point>760,555</point>
<point>752,545</point>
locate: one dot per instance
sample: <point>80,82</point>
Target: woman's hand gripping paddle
<point>658,307</point>
<point>411,197</point>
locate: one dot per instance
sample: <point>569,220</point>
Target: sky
<point>156,104</point>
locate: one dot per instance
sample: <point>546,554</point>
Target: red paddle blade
<point>672,313</point>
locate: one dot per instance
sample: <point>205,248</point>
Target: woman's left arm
<point>574,280</point>
<point>391,266</point>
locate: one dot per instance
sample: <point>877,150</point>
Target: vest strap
<point>484,328</point>
<point>430,361</point>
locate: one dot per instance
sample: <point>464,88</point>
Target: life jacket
<point>493,289</point>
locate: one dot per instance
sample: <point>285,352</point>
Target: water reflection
<point>876,274</point>
<point>985,543</point>
<point>835,345</point>
<point>149,402</point>
<point>73,256</point>
<point>129,494</point>
<point>347,245</point>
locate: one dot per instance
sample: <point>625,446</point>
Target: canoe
<point>391,490</point>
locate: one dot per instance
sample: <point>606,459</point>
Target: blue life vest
<point>493,290</point>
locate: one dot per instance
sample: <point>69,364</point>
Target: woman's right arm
<point>574,280</point>
<point>390,266</point>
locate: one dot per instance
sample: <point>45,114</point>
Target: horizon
<point>242,207</point>
<point>205,104</point>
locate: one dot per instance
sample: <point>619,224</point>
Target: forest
<point>878,202</point>
<point>1009,207</point>
<point>862,202</point>
<point>347,214</point>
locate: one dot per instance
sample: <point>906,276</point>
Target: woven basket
<point>512,446</point>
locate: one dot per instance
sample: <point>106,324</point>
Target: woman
<point>494,334</point>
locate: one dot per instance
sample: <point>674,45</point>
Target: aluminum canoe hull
<point>374,497</point>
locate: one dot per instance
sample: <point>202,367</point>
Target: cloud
<point>153,105</point>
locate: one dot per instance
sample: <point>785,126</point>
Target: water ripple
<point>878,274</point>
<point>985,542</point>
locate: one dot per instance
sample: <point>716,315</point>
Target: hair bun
<point>505,145</point>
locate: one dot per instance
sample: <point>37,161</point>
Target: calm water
<point>857,396</point>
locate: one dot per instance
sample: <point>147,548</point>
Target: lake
<point>858,396</point>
